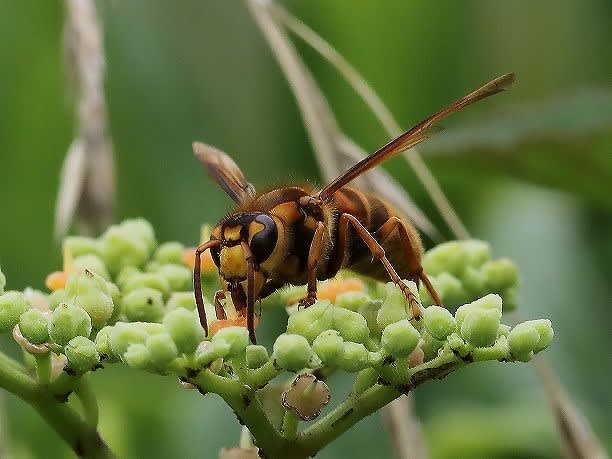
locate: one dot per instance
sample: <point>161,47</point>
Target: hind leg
<point>411,252</point>
<point>378,252</point>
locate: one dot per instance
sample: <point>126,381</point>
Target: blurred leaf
<point>565,143</point>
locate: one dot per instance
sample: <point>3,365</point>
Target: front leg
<point>314,256</point>
<point>219,309</point>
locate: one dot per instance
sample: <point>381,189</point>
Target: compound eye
<point>263,242</point>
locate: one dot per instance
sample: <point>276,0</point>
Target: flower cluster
<point>124,298</point>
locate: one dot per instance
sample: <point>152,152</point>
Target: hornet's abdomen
<point>372,212</point>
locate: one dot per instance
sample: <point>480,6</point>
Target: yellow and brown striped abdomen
<point>372,212</point>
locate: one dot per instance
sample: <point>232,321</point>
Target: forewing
<point>224,171</point>
<point>416,135</point>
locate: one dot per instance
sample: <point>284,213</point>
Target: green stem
<point>82,438</point>
<point>43,367</point>
<point>290,425</point>
<point>344,416</point>
<point>14,379</point>
<point>263,375</point>
<point>249,410</point>
<point>88,401</point>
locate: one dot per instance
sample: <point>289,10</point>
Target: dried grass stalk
<point>87,183</point>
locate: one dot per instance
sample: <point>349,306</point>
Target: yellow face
<point>259,233</point>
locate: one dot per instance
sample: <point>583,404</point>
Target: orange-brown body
<point>288,263</point>
<point>296,235</point>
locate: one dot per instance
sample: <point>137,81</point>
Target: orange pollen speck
<point>224,323</point>
<point>56,280</point>
<point>331,289</point>
<point>206,262</point>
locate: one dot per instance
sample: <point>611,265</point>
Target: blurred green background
<point>180,71</point>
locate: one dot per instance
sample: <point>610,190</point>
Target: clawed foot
<point>413,301</point>
<point>307,301</point>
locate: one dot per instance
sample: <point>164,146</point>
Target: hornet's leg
<point>378,252</point>
<point>219,310</point>
<point>197,280</point>
<point>410,252</point>
<point>250,310</point>
<point>314,255</point>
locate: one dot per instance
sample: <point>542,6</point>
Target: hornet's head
<point>247,240</point>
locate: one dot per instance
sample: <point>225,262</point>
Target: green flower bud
<point>115,295</point>
<point>490,301</point>
<point>80,245</point>
<point>544,328</point>
<point>352,300</point>
<point>2,282</point>
<point>170,252</point>
<point>89,291</point>
<point>256,356</point>
<point>184,300</point>
<point>143,305</point>
<point>523,338</point>
<point>162,350</point>
<point>439,322</point>
<point>68,321</point>
<point>369,311</point>
<point>124,334</point>
<point>447,257</point>
<point>120,249</point>
<point>12,305</point>
<point>399,339</point>
<point>236,337</point>
<point>354,357</point>
<point>310,322</point>
<point>455,342</point>
<point>452,289</point>
<point>480,326</point>
<point>207,352</point>
<point>137,356</point>
<point>292,352</point>
<point>150,280</point>
<point>477,252</point>
<point>82,354</point>
<point>56,298</point>
<point>474,280</point>
<point>351,325</point>
<point>510,298</point>
<point>329,345</point>
<point>430,345</point>
<point>500,274</point>
<point>34,326</point>
<point>184,329</point>
<point>92,263</point>
<point>141,229</point>
<point>125,274</point>
<point>103,344</point>
<point>82,281</point>
<point>394,307</point>
<point>179,278</point>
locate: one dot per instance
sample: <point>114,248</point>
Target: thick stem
<point>14,379</point>
<point>88,401</point>
<point>82,437</point>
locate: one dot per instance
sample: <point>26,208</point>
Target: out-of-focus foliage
<point>573,132</point>
<point>199,69</point>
